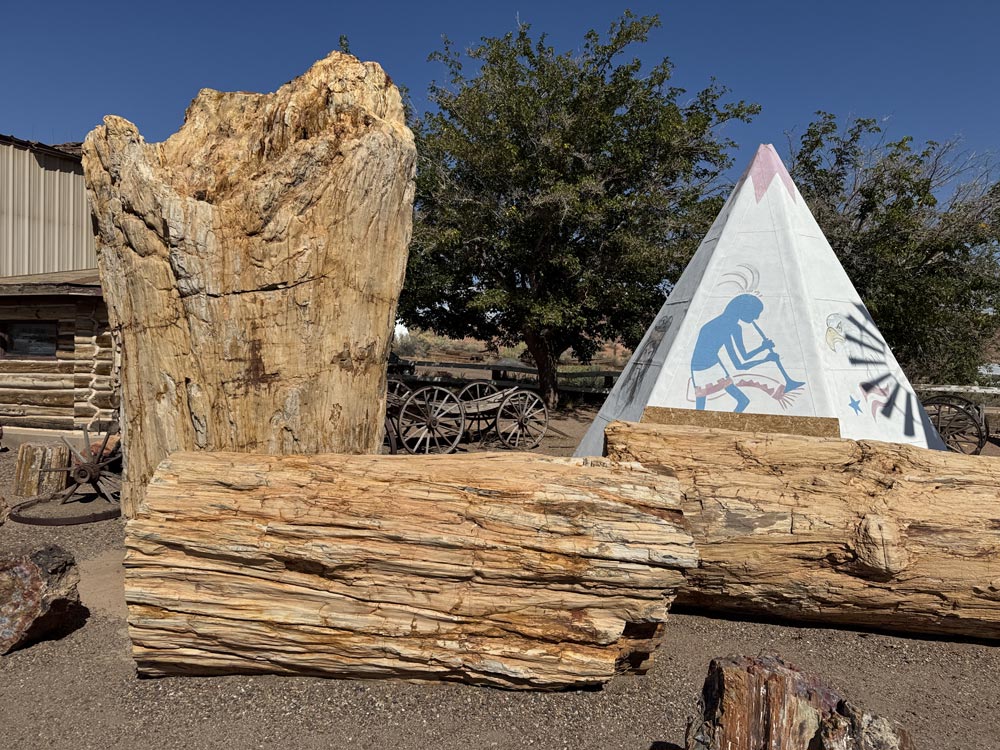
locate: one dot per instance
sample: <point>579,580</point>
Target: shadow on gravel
<point>864,632</point>
<point>56,624</point>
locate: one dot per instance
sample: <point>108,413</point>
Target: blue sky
<point>928,69</point>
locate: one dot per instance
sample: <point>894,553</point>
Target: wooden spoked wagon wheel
<point>431,420</point>
<point>390,443</point>
<point>477,420</point>
<point>398,389</point>
<point>958,422</point>
<point>396,394</point>
<point>94,470</point>
<point>522,420</point>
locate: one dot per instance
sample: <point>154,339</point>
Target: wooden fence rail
<point>502,370</point>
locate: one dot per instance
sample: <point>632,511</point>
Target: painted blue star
<point>856,405</point>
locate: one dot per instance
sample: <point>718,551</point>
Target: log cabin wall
<point>76,385</point>
<point>95,368</point>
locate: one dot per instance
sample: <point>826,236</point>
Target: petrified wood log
<point>861,533</point>
<point>252,263</point>
<point>753,703</point>
<point>512,570</point>
<point>29,479</point>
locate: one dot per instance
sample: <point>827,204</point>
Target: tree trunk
<point>504,569</point>
<point>839,532</point>
<point>546,358</point>
<point>252,263</point>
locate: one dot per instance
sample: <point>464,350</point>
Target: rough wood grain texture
<point>29,480</point>
<point>504,569</point>
<point>727,420</point>
<point>868,534</point>
<point>17,417</point>
<point>756,703</point>
<point>252,263</point>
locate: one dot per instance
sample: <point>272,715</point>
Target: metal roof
<point>45,223</point>
<point>66,150</point>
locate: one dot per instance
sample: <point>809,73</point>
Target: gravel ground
<point>81,692</point>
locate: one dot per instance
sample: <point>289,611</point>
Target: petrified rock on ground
<point>251,264</point>
<point>38,597</point>
<point>29,479</point>
<point>838,532</point>
<point>762,703</point>
<point>514,570</point>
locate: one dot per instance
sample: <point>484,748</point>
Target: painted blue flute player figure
<point>709,373</point>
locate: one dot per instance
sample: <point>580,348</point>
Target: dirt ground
<point>81,692</point>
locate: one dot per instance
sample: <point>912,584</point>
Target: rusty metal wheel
<point>431,420</point>
<point>522,420</point>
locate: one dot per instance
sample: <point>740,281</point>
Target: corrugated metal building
<point>44,217</point>
<point>58,367</point>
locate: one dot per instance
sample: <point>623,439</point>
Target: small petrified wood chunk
<point>761,703</point>
<point>32,459</point>
<point>38,597</point>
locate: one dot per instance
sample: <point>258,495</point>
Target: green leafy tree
<point>556,192</point>
<point>917,231</point>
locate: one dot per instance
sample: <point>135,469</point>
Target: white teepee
<point>765,320</point>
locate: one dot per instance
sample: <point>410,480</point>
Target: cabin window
<point>29,338</point>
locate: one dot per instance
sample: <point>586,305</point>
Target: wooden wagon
<point>434,419</point>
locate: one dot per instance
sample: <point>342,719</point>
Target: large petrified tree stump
<point>762,702</point>
<point>252,264</point>
<point>840,532</point>
<point>510,570</point>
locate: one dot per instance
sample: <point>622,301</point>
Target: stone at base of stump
<point>763,702</point>
<point>29,479</point>
<point>38,597</point>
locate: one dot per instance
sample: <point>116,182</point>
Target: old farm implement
<point>960,422</point>
<point>93,475</point>
<point>434,419</point>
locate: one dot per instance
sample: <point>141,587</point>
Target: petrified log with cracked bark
<point>252,263</point>
<point>762,702</point>
<point>861,533</point>
<point>512,570</point>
